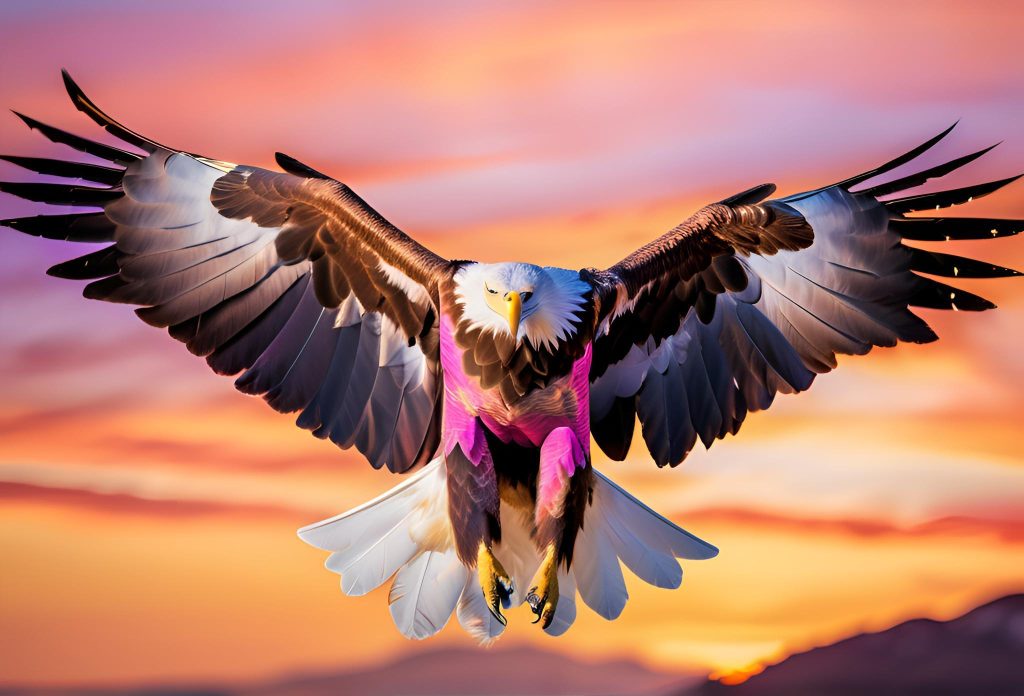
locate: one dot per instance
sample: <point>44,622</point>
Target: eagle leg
<point>495,583</point>
<point>543,595</point>
<point>563,487</point>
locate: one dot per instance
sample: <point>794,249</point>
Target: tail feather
<point>648,524</point>
<point>372,542</point>
<point>620,527</point>
<point>597,570</point>
<point>341,531</point>
<point>405,534</point>
<point>366,566</point>
<point>650,565</point>
<point>425,592</point>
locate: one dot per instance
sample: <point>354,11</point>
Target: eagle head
<point>542,305</point>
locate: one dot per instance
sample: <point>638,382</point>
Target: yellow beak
<point>513,311</point>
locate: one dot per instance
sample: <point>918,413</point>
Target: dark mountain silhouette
<point>473,672</point>
<point>978,654</point>
<point>520,671</point>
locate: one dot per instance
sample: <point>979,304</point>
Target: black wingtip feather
<point>950,266</point>
<point>98,264</point>
<point>924,176</point>
<point>89,108</point>
<point>931,294</point>
<point>104,289</point>
<point>73,90</point>
<point>77,142</point>
<point>74,227</point>
<point>60,194</point>
<point>945,199</point>
<point>27,120</point>
<point>954,228</point>
<point>293,166</point>
<point>69,170</point>
<point>752,195</point>
<point>899,161</point>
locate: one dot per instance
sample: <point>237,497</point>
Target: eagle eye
<point>526,296</point>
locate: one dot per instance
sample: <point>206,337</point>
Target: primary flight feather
<point>490,379</point>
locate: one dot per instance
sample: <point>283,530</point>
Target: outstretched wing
<point>289,278</point>
<point>736,304</point>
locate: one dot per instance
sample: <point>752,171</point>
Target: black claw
<point>498,615</point>
<point>533,599</point>
<point>493,607</point>
<point>536,603</point>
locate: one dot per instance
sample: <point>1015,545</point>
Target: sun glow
<point>737,675</point>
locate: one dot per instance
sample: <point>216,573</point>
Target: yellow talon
<point>543,595</point>
<point>494,582</point>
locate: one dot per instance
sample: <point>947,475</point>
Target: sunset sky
<point>148,511</point>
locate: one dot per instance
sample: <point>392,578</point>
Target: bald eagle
<point>486,381</point>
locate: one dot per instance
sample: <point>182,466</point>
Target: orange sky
<point>148,511</point>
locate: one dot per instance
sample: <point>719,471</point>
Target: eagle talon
<point>495,583</point>
<point>536,603</point>
<point>543,596</point>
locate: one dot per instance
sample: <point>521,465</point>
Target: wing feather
<point>290,279</point>
<point>746,312</point>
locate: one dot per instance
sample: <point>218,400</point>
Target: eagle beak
<point>513,311</point>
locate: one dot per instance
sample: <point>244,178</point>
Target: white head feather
<point>554,305</point>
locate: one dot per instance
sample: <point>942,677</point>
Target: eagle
<point>484,382</point>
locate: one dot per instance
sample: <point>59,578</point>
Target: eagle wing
<point>749,298</point>
<point>288,278</point>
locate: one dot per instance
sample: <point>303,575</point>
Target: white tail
<point>405,533</point>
